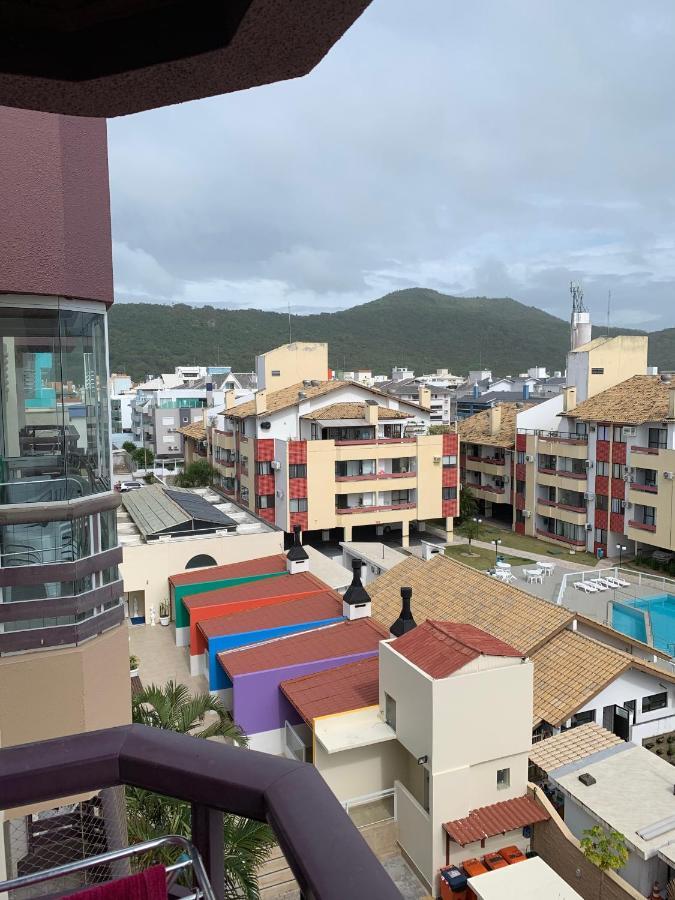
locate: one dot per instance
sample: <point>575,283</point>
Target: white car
<point>130,486</point>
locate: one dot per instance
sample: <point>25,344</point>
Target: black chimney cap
<point>297,551</point>
<point>405,621</point>
<point>356,593</point>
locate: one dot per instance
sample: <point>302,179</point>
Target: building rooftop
<point>354,411</point>
<point>640,399</point>
<point>381,555</point>
<point>633,791</point>
<point>345,688</point>
<point>446,590</point>
<point>196,431</point>
<point>284,586</point>
<point>330,642</point>
<point>156,510</point>
<point>314,608</point>
<point>476,429</point>
<point>570,669</point>
<point>328,570</point>
<point>499,818</point>
<point>266,565</point>
<point>531,879</point>
<point>442,648</point>
<point>572,745</point>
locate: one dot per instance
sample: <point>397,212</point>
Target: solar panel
<point>199,508</point>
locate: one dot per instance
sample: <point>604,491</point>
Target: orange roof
<point>499,818</point>
<point>352,686</point>
<point>441,648</point>
<point>330,642</point>
<point>285,587</point>
<point>326,605</point>
<point>266,565</point>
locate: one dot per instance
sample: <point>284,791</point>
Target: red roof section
<point>314,608</point>
<point>330,642</point>
<point>287,587</point>
<point>352,686</point>
<point>267,565</point>
<point>441,648</point>
<point>499,818</point>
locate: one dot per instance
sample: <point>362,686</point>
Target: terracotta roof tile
<point>499,818</point>
<point>283,586</point>
<point>572,745</point>
<point>446,590</point>
<point>330,642</point>
<point>196,431</point>
<point>441,648</point>
<point>354,411</point>
<point>642,398</point>
<point>325,605</point>
<point>345,688</point>
<point>476,429</point>
<point>266,565</point>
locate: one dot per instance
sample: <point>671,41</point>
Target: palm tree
<point>150,815</point>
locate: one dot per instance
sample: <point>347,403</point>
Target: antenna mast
<point>580,322</point>
<point>609,309</point>
<point>290,341</point>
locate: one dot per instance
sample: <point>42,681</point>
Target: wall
<point>429,476</point>
<point>414,829</point>
<point>413,692</point>
<point>543,416</point>
<point>294,362</point>
<point>663,500</point>
<point>621,357</point>
<point>362,770</point>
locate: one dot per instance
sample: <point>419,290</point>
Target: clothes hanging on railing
<point>147,885</point>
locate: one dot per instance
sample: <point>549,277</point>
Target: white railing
<point>636,579</point>
<point>367,799</point>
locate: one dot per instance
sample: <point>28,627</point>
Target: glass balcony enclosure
<point>54,417</point>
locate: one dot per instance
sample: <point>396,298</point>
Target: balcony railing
<point>642,526</point>
<point>652,451</point>
<point>347,510</point>
<point>327,855</point>
<point>490,460</point>
<point>557,505</point>
<point>649,488</point>
<point>376,441</point>
<point>490,488</point>
<point>558,537</point>
<point>565,437</point>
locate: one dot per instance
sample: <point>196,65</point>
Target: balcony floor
<point>160,659</point>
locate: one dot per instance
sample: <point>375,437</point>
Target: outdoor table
<point>503,565</point>
<point>534,575</point>
<point>547,567</point>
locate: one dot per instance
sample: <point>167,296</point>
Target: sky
<point>479,149</point>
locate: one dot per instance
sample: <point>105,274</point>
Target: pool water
<point>629,618</point>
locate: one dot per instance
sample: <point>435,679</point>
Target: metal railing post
<point>208,838</point>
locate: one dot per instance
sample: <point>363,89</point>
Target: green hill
<point>420,328</point>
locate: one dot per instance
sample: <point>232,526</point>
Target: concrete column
<point>405,534</point>
<point>347,533</point>
<point>325,534</point>
<point>449,528</point>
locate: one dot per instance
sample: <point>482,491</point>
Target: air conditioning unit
<point>589,526</point>
<point>275,464</point>
<point>437,460</point>
<point>527,514</point>
<point>629,431</point>
<point>668,475</point>
<point>588,495</point>
<point>507,479</point>
<point>592,428</point>
<point>588,463</point>
<point>529,458</point>
<point>280,494</point>
<point>623,504</point>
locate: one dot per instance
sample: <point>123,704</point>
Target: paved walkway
<point>160,659</point>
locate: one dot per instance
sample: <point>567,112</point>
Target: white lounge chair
<point>586,587</point>
<point>598,583</point>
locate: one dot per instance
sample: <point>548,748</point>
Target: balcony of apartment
<point>644,481</point>
<point>564,443</point>
<point>565,505</point>
<point>642,521</point>
<point>556,471</point>
<point>374,502</point>
<point>487,488</point>
<point>326,853</point>
<point>359,473</point>
<point>366,435</point>
<point>570,534</point>
<point>488,461</point>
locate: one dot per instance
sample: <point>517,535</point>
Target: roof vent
<point>405,621</point>
<point>372,402</point>
<point>587,779</point>
<point>297,559</point>
<point>307,382</point>
<point>356,600</point>
<point>302,395</point>
<point>315,383</point>
<point>666,377</point>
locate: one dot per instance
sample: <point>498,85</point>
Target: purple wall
<point>257,702</point>
<point>55,206</point>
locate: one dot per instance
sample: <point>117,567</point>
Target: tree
<point>440,429</point>
<point>143,457</point>
<point>471,529</point>
<point>605,849</point>
<point>467,503</point>
<point>149,815</point>
<point>198,474</point>
<point>129,446</point>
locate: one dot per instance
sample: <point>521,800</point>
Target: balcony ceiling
<point>113,57</point>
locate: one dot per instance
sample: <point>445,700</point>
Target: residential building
<point>531,878</point>
<point>157,416</point>
<point>61,613</point>
<point>120,383</point>
<point>329,455</point>
<point>291,364</point>
<point>442,406</point>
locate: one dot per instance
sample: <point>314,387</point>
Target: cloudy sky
<point>488,148</point>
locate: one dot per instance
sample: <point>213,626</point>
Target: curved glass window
<point>54,418</point>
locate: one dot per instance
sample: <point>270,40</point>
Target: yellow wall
<point>663,500</point>
<point>360,771</point>
<point>294,362</point>
<point>621,358</point>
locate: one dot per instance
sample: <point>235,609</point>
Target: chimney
<point>296,558</point>
<point>476,392</point>
<point>405,621</point>
<point>229,400</point>
<point>671,401</point>
<point>260,402</point>
<point>526,392</point>
<point>372,412</point>
<point>495,413</point>
<point>356,600</point>
<point>569,399</point>
<point>424,396</point>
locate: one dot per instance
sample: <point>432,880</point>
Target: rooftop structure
<point>156,510</point>
<point>349,687</point>
<point>640,399</point>
<point>571,746</point>
<point>497,819</point>
<point>531,879</point>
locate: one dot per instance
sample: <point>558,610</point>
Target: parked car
<point>130,486</point>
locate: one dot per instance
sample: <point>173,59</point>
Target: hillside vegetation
<point>420,328</point>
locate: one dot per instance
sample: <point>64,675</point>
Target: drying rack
<point>202,890</point>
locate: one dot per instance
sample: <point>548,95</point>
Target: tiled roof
<point>354,411</point>
<point>441,648</point>
<point>196,431</point>
<point>283,586</point>
<point>266,565</point>
<point>288,396</point>
<point>571,669</point>
<point>572,745</point>
<point>642,398</point>
<point>476,429</point>
<point>446,590</point>
<point>316,607</point>
<point>499,818</point>
<point>342,689</point>
<point>330,642</point>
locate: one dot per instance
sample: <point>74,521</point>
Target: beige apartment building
<point>329,455</point>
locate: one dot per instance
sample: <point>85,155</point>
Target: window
<point>243,462</point>
<point>263,468</point>
<point>199,561</point>
<point>546,461</point>
<point>264,501</point>
<point>604,432</point>
<point>618,435</point>
<point>520,518</point>
<point>600,536</point>
<point>503,779</point>
<point>598,370</point>
<point>449,493</point>
<point>581,428</point>
<point>654,702</point>
<point>390,711</point>
<point>243,493</point>
<point>602,468</point>
<point>354,467</point>
<point>315,431</point>
<point>581,718</point>
<point>658,438</point>
<point>297,470</point>
<point>646,515</point>
<point>350,433</point>
<point>631,706</point>
<point>520,457</point>
<point>601,502</point>
<point>520,487</point>
<point>402,465</point>
<point>298,504</point>
<point>449,461</point>
<point>398,497</point>
<point>616,505</point>
<point>242,427</point>
<point>391,431</point>
<point>426,801</point>
<point>617,470</point>
<point>276,373</point>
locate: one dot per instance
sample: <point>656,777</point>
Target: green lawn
<point>480,559</point>
<point>534,545</point>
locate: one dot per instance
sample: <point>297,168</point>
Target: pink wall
<point>54,206</point>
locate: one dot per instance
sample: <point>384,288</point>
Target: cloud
<point>490,148</point>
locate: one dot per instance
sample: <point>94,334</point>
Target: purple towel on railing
<point>147,885</point>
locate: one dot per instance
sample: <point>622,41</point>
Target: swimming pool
<point>630,618</point>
